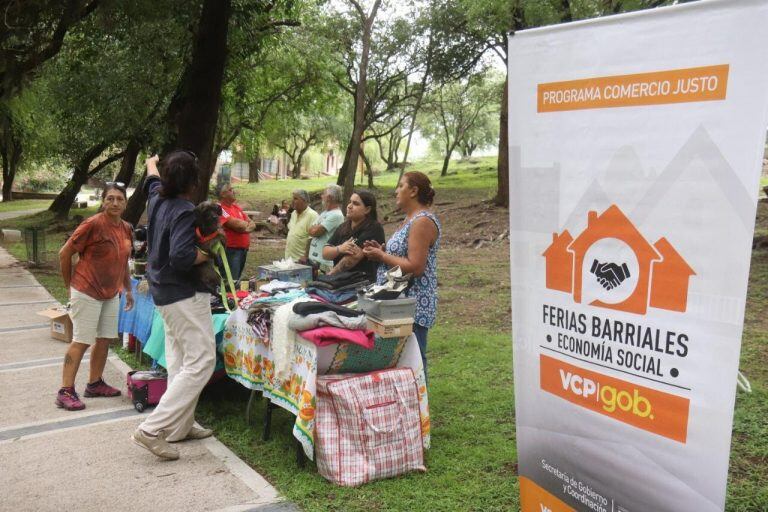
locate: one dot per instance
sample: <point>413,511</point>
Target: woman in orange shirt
<point>104,245</point>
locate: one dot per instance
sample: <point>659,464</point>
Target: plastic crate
<point>393,309</point>
<point>301,274</point>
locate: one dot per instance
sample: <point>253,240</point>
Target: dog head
<point>207,216</point>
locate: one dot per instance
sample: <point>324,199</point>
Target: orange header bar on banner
<point>708,83</point>
<point>649,409</point>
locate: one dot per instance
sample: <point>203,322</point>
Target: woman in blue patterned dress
<point>413,247</point>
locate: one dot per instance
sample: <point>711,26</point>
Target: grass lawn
<point>24,204</point>
<point>472,464</point>
<point>477,175</point>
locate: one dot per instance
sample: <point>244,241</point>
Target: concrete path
<point>56,460</point>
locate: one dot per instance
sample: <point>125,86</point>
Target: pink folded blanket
<point>322,336</point>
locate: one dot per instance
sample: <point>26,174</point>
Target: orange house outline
<point>663,273</point>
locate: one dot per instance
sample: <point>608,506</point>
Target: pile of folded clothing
<point>275,286</point>
<point>318,322</point>
<point>324,324</point>
<point>338,288</point>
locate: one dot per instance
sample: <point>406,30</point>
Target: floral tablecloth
<point>248,359</point>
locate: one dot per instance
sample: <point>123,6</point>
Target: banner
<point>636,143</point>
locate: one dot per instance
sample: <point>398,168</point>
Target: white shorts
<point>93,318</point>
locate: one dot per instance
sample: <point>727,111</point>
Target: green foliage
<point>113,77</point>
<point>42,176</point>
<point>462,112</point>
<point>385,91</point>
<point>466,30</point>
<point>32,33</point>
<point>280,94</point>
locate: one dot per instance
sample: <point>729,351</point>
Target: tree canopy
<point>87,86</point>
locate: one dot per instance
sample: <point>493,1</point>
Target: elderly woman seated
<point>297,241</point>
<point>325,226</point>
<point>345,246</point>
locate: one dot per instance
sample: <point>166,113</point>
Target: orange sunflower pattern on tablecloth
<point>307,406</point>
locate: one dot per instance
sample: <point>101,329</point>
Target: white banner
<point>636,143</point>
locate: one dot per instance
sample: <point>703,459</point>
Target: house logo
<point>611,265</point>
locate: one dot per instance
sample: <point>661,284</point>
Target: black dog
<point>207,216</point>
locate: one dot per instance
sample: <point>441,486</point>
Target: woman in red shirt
<point>104,245</point>
<point>237,228</point>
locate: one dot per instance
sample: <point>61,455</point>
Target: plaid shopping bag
<point>368,426</point>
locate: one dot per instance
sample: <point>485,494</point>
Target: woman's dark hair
<point>426,194</point>
<point>179,173</point>
<point>113,186</point>
<point>368,199</point>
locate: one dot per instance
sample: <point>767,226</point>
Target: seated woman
<point>413,247</point>
<point>361,225</point>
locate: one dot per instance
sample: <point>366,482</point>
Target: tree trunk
<point>342,176</point>
<point>11,155</point>
<point>128,164</point>
<point>7,184</point>
<point>368,169</point>
<point>7,187</point>
<point>350,165</point>
<point>502,194</point>
<point>11,160</point>
<point>300,161</point>
<point>417,107</point>
<point>446,161</point>
<point>16,150</point>
<point>194,110</point>
<point>63,202</point>
<point>137,202</point>
<point>296,171</point>
<point>254,167</point>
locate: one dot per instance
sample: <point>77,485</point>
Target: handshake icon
<point>609,275</point>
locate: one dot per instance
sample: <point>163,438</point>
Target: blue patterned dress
<point>424,287</point>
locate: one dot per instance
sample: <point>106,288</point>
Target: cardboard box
<point>395,328</point>
<point>61,324</point>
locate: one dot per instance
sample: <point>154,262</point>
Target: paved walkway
<point>56,460</point>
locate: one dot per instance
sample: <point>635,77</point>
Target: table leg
<point>268,420</point>
<point>248,407</point>
<point>301,458</point>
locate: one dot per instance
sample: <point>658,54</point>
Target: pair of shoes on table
<point>155,444</point>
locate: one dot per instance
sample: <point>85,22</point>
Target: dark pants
<point>236,259</point>
<point>421,337</point>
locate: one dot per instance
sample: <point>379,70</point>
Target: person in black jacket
<point>361,225</point>
<point>190,348</point>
